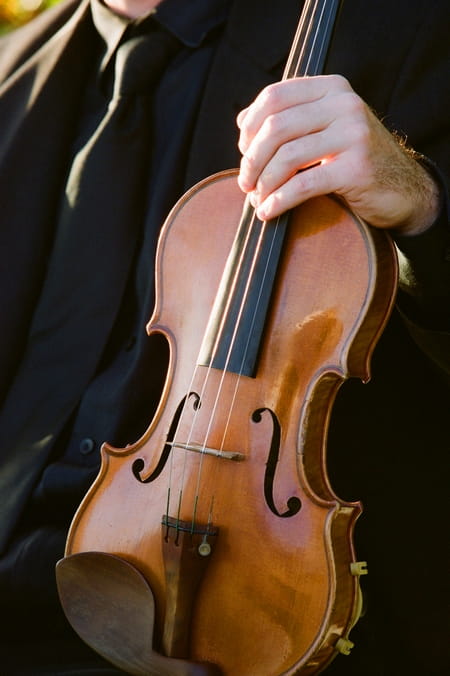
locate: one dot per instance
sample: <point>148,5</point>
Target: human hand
<point>306,137</point>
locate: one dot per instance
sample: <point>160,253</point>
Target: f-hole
<point>293,503</point>
<point>138,465</point>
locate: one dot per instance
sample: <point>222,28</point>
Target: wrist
<point>426,203</point>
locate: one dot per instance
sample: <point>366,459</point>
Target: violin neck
<point>312,38</point>
<point>236,324</point>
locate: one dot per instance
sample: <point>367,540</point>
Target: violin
<point>215,544</point>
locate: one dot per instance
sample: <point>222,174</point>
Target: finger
<point>281,96</point>
<point>295,156</point>
<point>272,100</point>
<point>312,182</point>
<point>240,117</point>
<point>276,134</point>
<point>348,136</point>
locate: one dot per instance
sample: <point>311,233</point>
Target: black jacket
<point>388,443</point>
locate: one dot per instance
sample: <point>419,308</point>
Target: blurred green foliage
<point>14,13</point>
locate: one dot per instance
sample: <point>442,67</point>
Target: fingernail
<point>254,198</point>
<point>261,214</point>
<point>263,210</point>
<point>243,184</point>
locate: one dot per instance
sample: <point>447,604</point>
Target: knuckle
<point>316,181</point>
<point>244,138</point>
<point>248,162</point>
<point>266,181</point>
<point>270,96</point>
<point>359,134</point>
<point>306,181</point>
<point>277,201</point>
<point>274,125</point>
<point>354,105</point>
<point>242,144</point>
<point>354,172</point>
<point>288,156</point>
<point>339,83</point>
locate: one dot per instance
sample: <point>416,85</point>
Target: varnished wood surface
<point>278,591</point>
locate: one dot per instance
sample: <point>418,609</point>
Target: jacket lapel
<point>43,94</point>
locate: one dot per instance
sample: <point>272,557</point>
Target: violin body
<point>280,590</point>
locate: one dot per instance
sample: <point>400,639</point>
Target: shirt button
<point>87,446</point>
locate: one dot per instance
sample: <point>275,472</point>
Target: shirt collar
<point>110,26</point>
<point>191,22</point>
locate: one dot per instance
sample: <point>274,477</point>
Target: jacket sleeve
<point>419,111</point>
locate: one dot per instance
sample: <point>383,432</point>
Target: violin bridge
<point>198,448</point>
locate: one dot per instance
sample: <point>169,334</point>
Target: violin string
<point>172,452</point>
<point>224,371</point>
<point>323,33</point>
<point>201,395</point>
<point>300,42</point>
<point>306,24</point>
<point>183,413</point>
<point>231,346</point>
<point>302,46</point>
<point>276,226</point>
<point>316,36</point>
